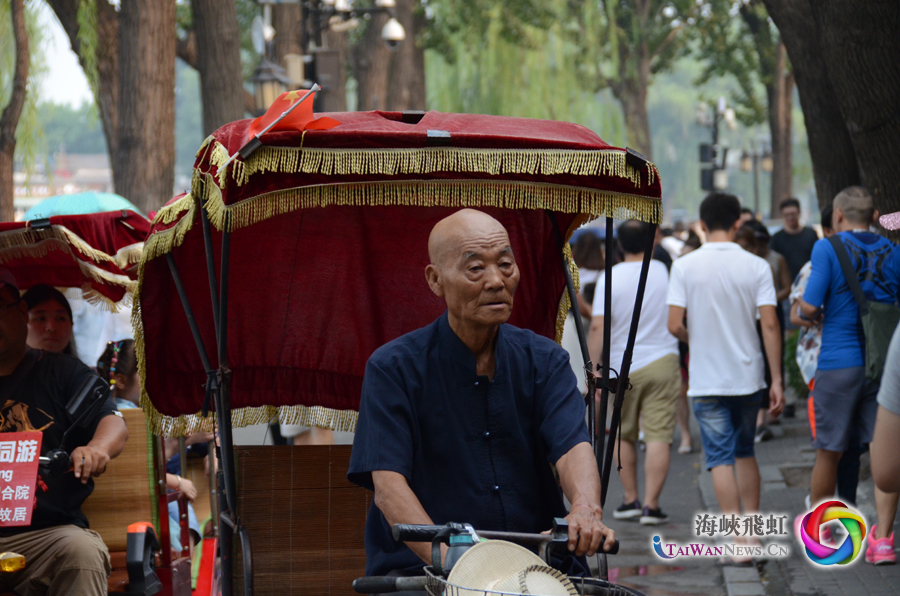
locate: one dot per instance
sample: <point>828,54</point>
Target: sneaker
<point>653,517</point>
<point>880,551</point>
<point>628,510</point>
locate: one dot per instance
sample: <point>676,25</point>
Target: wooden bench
<point>306,520</point>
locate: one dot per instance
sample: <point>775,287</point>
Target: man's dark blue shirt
<point>473,450</point>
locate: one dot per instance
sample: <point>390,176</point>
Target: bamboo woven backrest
<point>124,494</point>
<point>306,520</point>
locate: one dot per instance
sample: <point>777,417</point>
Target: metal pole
<point>188,311</point>
<point>600,446</point>
<point>755,182</point>
<point>626,361</point>
<point>579,325</point>
<point>210,265</point>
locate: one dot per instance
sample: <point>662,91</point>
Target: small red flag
<point>301,118</point>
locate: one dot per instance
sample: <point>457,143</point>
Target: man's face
<point>49,326</point>
<point>13,323</point>
<point>791,217</point>
<point>477,277</point>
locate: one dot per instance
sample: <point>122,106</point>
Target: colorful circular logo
<point>826,512</point>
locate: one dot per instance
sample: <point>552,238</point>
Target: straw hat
<point>500,566</point>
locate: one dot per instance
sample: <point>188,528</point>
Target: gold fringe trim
<point>429,193</point>
<point>127,256</point>
<point>564,303</point>
<point>95,298</point>
<point>41,247</point>
<point>23,238</point>
<point>327,418</point>
<point>172,212</point>
<point>427,160</point>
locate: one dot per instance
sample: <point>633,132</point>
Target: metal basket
<point>438,586</point>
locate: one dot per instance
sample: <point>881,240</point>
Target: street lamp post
<point>760,158</point>
<point>714,177</point>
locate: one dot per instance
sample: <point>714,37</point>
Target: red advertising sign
<point>19,454</point>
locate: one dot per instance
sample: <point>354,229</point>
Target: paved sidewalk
<point>785,463</point>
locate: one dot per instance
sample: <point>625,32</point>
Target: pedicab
<point>300,250</point>
<point>95,256</point>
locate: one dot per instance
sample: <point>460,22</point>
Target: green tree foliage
<point>730,47</point>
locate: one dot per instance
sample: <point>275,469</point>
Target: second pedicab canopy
<point>329,234</point>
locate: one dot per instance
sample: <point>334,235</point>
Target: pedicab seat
<point>309,520</point>
<point>125,494</point>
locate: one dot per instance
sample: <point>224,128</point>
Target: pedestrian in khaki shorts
<point>656,378</point>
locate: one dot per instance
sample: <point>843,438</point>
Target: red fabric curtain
<point>312,294</point>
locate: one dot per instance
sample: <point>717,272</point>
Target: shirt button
<point>496,488</point>
<point>476,383</point>
<point>487,434</point>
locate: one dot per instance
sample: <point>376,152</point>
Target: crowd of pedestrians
<point>714,320</point>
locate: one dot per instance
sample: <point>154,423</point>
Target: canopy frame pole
<point>229,522</point>
<point>600,445</point>
<point>590,383</point>
<point>622,383</point>
<point>210,263</point>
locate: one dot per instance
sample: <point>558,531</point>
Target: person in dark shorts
<point>844,400</point>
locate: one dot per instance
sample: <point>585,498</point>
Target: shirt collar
<point>457,355</point>
<point>720,246</point>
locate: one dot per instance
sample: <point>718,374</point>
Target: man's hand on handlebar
<point>587,532</point>
<point>89,462</point>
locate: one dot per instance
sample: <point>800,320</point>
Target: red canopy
<point>96,252</point>
<point>329,247</point>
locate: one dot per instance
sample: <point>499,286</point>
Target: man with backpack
<point>853,287</point>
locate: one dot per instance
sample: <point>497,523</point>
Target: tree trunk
<point>830,147</point>
<point>861,49</point>
<point>391,80</point>
<point>333,97</point>
<point>406,79</point>
<point>287,20</point>
<point>9,121</point>
<point>144,162</point>
<point>371,66</point>
<point>631,90</point>
<point>632,96</point>
<point>780,99</point>
<point>218,62</point>
<point>106,84</point>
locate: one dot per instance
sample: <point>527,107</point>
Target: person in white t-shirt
<point>721,288</point>
<point>655,376</point>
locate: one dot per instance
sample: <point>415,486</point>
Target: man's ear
<point>875,216</point>
<point>837,216</point>
<point>434,280</point>
<point>703,227</point>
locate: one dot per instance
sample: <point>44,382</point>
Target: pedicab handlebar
<point>460,537</point>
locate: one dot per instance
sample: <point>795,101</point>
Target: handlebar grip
<point>374,585</point>
<point>384,584</point>
<point>415,532</point>
<point>613,551</point>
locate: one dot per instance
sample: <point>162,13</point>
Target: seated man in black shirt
<point>461,420</point>
<point>62,555</point>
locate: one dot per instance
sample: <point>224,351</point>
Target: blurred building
<point>64,173</point>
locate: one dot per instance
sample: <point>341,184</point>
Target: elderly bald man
<point>461,420</point>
